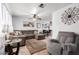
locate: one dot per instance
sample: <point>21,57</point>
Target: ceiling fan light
<point>34,19</point>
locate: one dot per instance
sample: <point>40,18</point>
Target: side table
<point>9,48</point>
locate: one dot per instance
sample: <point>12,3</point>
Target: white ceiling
<point>23,9</point>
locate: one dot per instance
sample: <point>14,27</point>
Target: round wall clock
<point>70,16</point>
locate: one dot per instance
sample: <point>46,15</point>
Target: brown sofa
<point>24,35</point>
<point>67,43</point>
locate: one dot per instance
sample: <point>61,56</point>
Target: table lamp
<point>6,30</point>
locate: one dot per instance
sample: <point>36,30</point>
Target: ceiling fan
<point>36,16</point>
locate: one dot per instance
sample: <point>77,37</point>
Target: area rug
<point>34,45</point>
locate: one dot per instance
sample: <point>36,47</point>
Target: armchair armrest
<point>54,40</point>
<point>54,47</point>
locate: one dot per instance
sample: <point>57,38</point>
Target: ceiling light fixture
<point>42,5</point>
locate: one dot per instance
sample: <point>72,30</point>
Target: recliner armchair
<point>67,43</point>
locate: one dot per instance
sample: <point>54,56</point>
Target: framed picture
<point>50,23</point>
<point>38,25</point>
<point>45,25</point>
<point>28,24</point>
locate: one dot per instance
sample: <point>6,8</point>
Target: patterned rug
<point>34,45</point>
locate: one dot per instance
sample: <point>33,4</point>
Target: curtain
<point>6,20</point>
<point>2,38</point>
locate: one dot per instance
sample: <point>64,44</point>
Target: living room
<point>39,29</point>
<point>23,26</point>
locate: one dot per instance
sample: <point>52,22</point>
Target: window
<point>6,19</point>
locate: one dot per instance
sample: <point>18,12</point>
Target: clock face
<point>70,16</point>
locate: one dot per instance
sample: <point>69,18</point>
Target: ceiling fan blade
<point>38,18</point>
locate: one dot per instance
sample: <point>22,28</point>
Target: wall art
<point>70,16</point>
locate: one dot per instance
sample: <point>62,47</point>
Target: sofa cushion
<point>66,37</point>
<point>69,40</point>
<point>62,39</point>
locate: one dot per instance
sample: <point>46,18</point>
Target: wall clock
<point>70,16</point>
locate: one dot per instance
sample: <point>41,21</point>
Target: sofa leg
<point>61,52</point>
<point>49,53</point>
